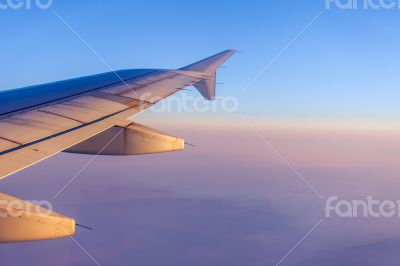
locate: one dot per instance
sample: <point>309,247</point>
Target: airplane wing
<point>88,115</point>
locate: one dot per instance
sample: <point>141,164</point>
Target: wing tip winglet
<point>209,66</point>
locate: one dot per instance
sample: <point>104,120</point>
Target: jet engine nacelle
<point>24,221</point>
<point>134,139</point>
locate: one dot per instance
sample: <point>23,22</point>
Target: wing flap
<point>85,108</point>
<point>30,126</point>
<point>6,144</point>
<point>18,159</point>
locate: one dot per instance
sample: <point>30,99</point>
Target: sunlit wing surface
<point>90,115</point>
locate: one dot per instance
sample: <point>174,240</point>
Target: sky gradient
<point>236,205</point>
<point>327,106</point>
<point>344,67</point>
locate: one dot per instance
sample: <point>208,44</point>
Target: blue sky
<point>231,200</point>
<point>343,68</point>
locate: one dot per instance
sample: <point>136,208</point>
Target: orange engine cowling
<point>24,221</point>
<point>134,139</point>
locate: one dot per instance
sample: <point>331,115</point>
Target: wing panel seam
<point>60,133</point>
<point>59,115</point>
